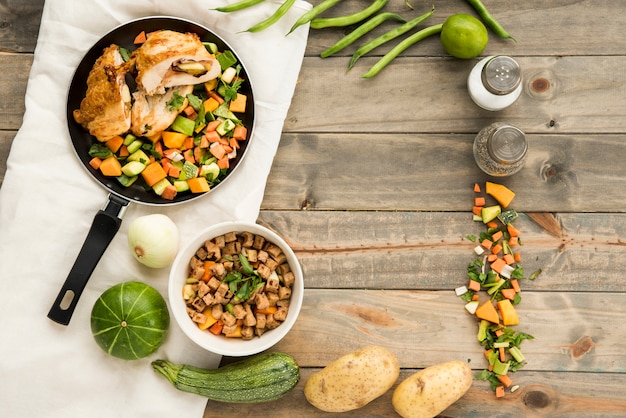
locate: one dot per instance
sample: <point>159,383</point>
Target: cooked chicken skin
<point>151,114</point>
<point>105,110</point>
<point>169,59</point>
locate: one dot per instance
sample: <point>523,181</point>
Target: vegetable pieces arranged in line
<point>493,290</point>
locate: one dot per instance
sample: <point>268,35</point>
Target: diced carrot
<point>514,232</point>
<point>95,163</point>
<point>234,143</point>
<point>187,144</point>
<point>477,187</point>
<point>487,353</point>
<point>479,201</point>
<point>153,173</point>
<point>188,154</point>
<point>227,148</point>
<point>477,210</point>
<point>207,270</point>
<point>501,354</point>
<point>123,152</point>
<point>204,142</point>
<point>240,133</point>
<point>198,153</point>
<point>517,257</point>
<point>508,258</point>
<point>212,125</point>
<point>169,192</point>
<point>505,380</point>
<point>496,249</point>
<point>210,104</point>
<point>496,236</point>
<point>217,327</point>
<point>492,257</point>
<point>223,162</point>
<point>114,143</point>
<point>515,285</point>
<point>513,242</point>
<point>223,140</point>
<point>239,104</point>
<point>474,285</point>
<point>490,367</point>
<point>500,391</point>
<point>212,136</point>
<point>499,333</point>
<point>111,167</point>
<point>140,38</point>
<point>475,297</point>
<point>173,171</point>
<point>266,311</point>
<point>508,293</point>
<point>487,244</point>
<point>492,224</point>
<point>214,95</point>
<point>158,147</point>
<point>189,111</point>
<point>166,164</point>
<point>198,185</point>
<point>154,138</point>
<point>217,150</point>
<point>498,265</point>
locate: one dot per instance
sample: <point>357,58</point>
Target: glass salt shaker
<point>500,149</point>
<point>495,82</point>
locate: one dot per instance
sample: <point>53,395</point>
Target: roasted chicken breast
<point>152,114</point>
<point>106,109</point>
<point>169,59</point>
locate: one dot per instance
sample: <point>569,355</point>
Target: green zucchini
<point>264,377</point>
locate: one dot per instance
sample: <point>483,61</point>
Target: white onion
<point>153,240</point>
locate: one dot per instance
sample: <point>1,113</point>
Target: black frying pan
<point>107,221</point>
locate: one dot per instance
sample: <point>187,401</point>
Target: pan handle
<point>105,225</point>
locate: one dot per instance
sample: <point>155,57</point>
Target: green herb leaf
<point>100,151</point>
<point>175,102</point>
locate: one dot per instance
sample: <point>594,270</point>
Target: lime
<point>130,320</point>
<point>464,36</point>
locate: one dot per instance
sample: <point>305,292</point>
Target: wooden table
<point>372,188</point>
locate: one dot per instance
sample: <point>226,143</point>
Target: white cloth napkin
<point>48,201</point>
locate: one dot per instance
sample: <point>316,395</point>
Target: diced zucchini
<point>139,156</point>
<point>228,75</point>
<point>190,170</point>
<point>508,216</point>
<point>133,168</point>
<point>125,180</point>
<point>181,185</point>
<point>135,145</point>
<point>160,186</point>
<point>489,213</point>
<point>129,139</point>
<point>211,47</point>
<point>183,125</point>
<point>225,127</point>
<point>210,171</point>
<point>223,112</point>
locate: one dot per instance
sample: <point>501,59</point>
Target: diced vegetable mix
<point>494,289</point>
<point>194,153</point>
<point>239,285</point>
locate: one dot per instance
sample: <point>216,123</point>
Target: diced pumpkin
<point>488,312</point>
<point>153,173</point>
<point>111,167</point>
<point>173,139</point>
<point>239,104</point>
<point>211,104</point>
<point>508,312</point>
<point>198,185</point>
<point>501,193</point>
<point>209,320</point>
<point>114,143</point>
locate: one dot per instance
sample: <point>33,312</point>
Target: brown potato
<point>429,392</point>
<point>353,381</point>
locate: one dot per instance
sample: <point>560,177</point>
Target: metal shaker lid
<point>501,75</point>
<point>507,144</point>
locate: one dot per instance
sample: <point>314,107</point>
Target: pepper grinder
<point>495,82</point>
<point>500,149</point>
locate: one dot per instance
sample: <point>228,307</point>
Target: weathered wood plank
<point>430,95</point>
<point>540,395</point>
<point>6,139</point>
<point>429,251</point>
<point>19,24</point>
<point>14,70</point>
<point>435,172</point>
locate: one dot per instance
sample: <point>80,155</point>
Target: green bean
<point>240,5</point>
<point>280,12</point>
<point>348,20</point>
<point>313,13</point>
<point>489,19</point>
<point>360,31</point>
<point>389,56</point>
<point>386,37</point>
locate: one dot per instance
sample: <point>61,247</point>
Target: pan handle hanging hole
<point>66,302</point>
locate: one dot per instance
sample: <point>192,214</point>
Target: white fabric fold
<point>48,201</point>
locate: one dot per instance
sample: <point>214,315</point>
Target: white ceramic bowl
<point>220,344</point>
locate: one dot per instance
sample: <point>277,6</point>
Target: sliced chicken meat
<point>169,59</point>
<point>152,114</point>
<point>106,109</point>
